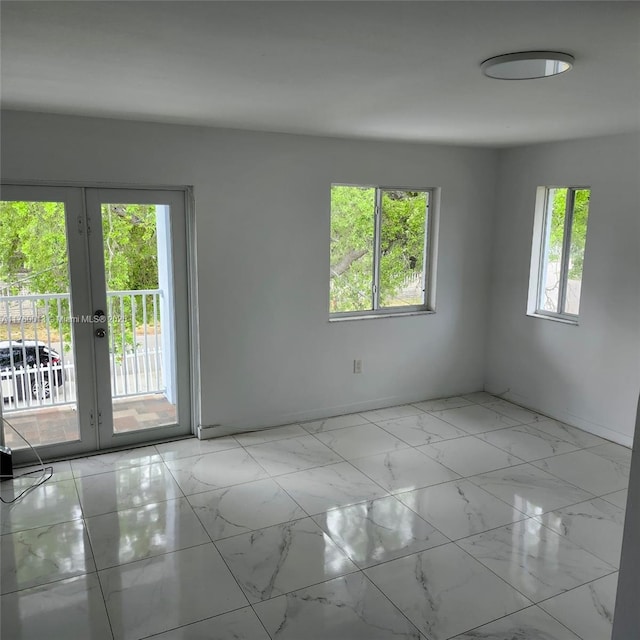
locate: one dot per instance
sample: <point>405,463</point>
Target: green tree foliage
<point>402,237</point>
<point>130,251</point>
<point>578,232</point>
<point>33,247</point>
<point>352,229</point>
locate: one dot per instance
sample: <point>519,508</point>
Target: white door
<point>94,326</point>
<point>142,347</point>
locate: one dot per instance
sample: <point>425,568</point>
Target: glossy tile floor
<point>466,518</point>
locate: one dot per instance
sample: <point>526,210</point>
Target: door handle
<point>100,333</point>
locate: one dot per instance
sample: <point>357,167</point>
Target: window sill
<point>377,316</point>
<point>560,319</point>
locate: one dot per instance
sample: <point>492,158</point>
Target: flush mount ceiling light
<point>527,65</point>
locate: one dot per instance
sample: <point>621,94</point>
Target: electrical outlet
<point>357,366</point>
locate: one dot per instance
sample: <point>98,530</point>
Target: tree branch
<point>340,267</point>
<point>121,212</point>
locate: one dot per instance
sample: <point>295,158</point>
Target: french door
<point>94,325</point>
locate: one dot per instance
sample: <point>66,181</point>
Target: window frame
<point>429,249</point>
<point>539,251</point>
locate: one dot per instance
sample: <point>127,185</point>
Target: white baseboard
<point>572,420</point>
<point>278,420</point>
<point>206,431</point>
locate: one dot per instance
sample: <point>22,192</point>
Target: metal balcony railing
<point>37,366</point>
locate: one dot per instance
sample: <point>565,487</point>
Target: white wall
<point>268,353</point>
<point>587,375</point>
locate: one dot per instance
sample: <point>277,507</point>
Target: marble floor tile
<point>125,489</point>
<point>270,435</point>
<point>115,533</point>
<point>168,591</point>
<point>613,452</point>
<point>588,470</point>
<point>596,526</point>
<point>379,530</point>
<point>106,462</point>
<point>511,410</point>
<point>195,447</point>
<point>293,454</point>
<point>241,624</point>
<point>51,503</point>
<point>527,442</point>
<point>548,564</point>
<point>439,404</point>
<point>360,441</point>
<point>530,489</point>
<point>445,592</point>
<point>528,624</point>
<point>71,608</point>
<point>460,509</point>
<point>469,456</point>
<point>346,608</point>
<point>336,485</point>
<point>273,561</point>
<point>619,498</point>
<point>480,397</point>
<point>587,610</point>
<point>421,429</point>
<point>390,413</point>
<point>475,419</point>
<point>338,422</point>
<point>403,470</point>
<point>244,508</point>
<point>38,556</point>
<point>143,532</point>
<point>215,470</point>
<point>562,431</point>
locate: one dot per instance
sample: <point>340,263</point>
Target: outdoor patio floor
<point>48,425</point>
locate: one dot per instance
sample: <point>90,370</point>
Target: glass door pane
<point>138,260</point>
<point>140,315</point>
<point>38,367</point>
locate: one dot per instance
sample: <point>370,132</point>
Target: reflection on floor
<point>459,518</point>
<point>48,425</point>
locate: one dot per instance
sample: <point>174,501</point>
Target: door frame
<point>75,198</point>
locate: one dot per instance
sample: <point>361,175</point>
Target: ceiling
<point>373,70</point>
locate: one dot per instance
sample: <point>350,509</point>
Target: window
<point>560,236</point>
<point>381,248</point>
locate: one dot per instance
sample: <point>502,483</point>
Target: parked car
<point>29,367</point>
